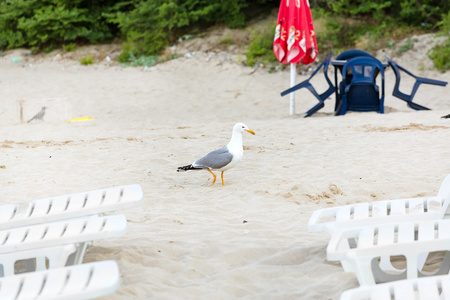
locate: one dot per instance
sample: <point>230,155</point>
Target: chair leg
<point>315,109</point>
<point>364,271</point>
<point>416,106</point>
<point>306,84</point>
<point>81,249</point>
<point>342,109</point>
<point>58,256</point>
<point>411,266</point>
<point>418,81</point>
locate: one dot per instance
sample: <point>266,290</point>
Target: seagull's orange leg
<point>213,175</point>
<point>221,175</point>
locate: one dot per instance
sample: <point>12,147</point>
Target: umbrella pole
<point>292,95</point>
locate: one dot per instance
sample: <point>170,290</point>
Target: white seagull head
<point>241,127</point>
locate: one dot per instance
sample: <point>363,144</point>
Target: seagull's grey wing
<point>215,159</point>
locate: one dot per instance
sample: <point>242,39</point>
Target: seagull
<point>445,117</point>
<point>40,115</point>
<point>224,158</point>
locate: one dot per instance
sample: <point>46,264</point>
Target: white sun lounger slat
<point>379,209</point>
<point>86,281</point>
<point>361,211</point>
<point>409,239</point>
<point>56,241</point>
<point>333,219</point>
<point>71,206</point>
<point>428,288</point>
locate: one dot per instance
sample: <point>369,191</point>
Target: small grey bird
<point>40,115</point>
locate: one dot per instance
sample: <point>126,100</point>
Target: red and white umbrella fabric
<point>295,38</point>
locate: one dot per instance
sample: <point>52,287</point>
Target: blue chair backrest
<point>349,54</point>
<point>363,69</point>
<point>360,89</point>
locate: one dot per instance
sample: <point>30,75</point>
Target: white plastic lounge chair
<point>429,288</point>
<point>334,219</point>
<point>359,249</point>
<point>62,243</point>
<point>71,206</point>
<point>86,281</point>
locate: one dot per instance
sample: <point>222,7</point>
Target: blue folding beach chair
<point>306,84</point>
<point>343,57</point>
<point>419,80</point>
<point>358,89</point>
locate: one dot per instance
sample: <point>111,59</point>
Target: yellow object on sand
<point>80,119</point>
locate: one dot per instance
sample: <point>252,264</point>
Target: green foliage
<point>340,32</point>
<point>126,52</point>
<point>409,45</point>
<point>40,24</point>
<point>153,24</point>
<point>227,40</point>
<point>69,47</point>
<point>374,8</point>
<point>87,60</point>
<point>148,26</point>
<point>146,61</point>
<point>261,43</point>
<point>390,43</point>
<point>369,25</point>
<point>412,12</point>
<point>440,55</point>
<point>425,12</point>
<point>444,24</point>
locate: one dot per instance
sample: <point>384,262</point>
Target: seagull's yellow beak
<point>250,131</point>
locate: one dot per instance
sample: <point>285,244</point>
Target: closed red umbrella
<point>295,38</point>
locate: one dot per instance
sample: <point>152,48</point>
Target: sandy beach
<point>192,239</point>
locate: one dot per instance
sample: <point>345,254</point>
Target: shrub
<point>146,61</point>
<point>416,13</point>
<point>261,43</point>
<point>147,26</point>
<point>69,47</point>
<point>153,24</point>
<point>40,24</point>
<point>87,60</point>
<point>409,45</point>
<point>440,54</point>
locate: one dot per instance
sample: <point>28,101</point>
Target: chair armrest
<point>431,81</point>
